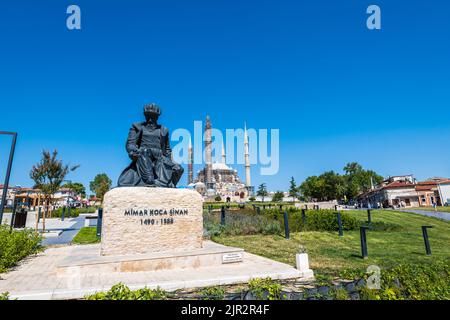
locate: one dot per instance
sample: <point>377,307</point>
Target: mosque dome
<point>220,166</point>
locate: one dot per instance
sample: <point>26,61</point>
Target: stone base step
<point>88,259</point>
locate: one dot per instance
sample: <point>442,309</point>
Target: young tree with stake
<point>48,175</point>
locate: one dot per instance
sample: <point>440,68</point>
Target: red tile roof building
<point>404,191</point>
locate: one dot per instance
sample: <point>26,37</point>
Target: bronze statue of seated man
<point>148,146</point>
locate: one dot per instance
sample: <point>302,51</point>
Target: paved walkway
<point>41,276</point>
<point>435,214</point>
<point>70,228</point>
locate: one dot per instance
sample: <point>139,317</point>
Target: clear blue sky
<point>337,91</point>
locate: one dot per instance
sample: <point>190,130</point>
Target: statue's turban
<point>152,108</point>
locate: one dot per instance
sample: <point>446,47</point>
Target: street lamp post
<point>8,171</point>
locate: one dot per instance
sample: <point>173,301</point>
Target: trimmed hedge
<point>248,205</point>
<point>248,222</point>
<point>16,245</point>
<point>74,212</point>
<point>316,220</point>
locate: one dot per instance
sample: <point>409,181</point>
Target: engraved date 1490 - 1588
<point>152,222</point>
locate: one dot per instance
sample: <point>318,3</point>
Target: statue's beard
<point>151,118</point>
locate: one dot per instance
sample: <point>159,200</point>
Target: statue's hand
<point>134,154</point>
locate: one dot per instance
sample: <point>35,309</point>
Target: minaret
<point>190,163</point>
<point>208,153</point>
<point>224,157</point>
<point>248,181</point>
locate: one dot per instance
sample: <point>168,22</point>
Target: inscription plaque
<point>144,220</point>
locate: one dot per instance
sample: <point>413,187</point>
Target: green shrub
<point>4,296</point>
<point>212,229</point>
<point>212,293</point>
<point>270,221</point>
<point>74,212</point>
<point>122,292</point>
<point>316,220</point>
<point>351,274</point>
<point>339,294</point>
<point>326,220</point>
<point>412,282</point>
<point>248,205</point>
<point>238,223</point>
<point>265,289</point>
<point>272,227</point>
<point>16,245</point>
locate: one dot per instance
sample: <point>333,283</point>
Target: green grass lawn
<point>86,235</point>
<point>439,209</point>
<point>329,254</point>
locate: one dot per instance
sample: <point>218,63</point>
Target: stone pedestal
<point>142,220</point>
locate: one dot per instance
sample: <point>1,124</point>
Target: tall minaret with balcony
<point>190,163</point>
<point>224,157</point>
<point>248,180</point>
<point>208,154</point>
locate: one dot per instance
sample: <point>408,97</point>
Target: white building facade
<point>444,193</point>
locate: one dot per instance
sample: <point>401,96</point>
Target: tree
<point>278,196</point>
<point>262,191</point>
<point>48,174</point>
<point>352,168</point>
<point>76,187</point>
<point>100,185</point>
<point>359,180</point>
<point>333,186</point>
<point>293,189</point>
<point>330,185</point>
<point>312,187</point>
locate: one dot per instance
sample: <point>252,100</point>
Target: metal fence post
<point>339,219</point>
<point>369,216</point>
<point>99,222</point>
<point>286,225</point>
<point>13,215</point>
<point>222,216</point>
<point>63,213</point>
<point>362,231</point>
<point>425,239</point>
<point>303,217</point>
